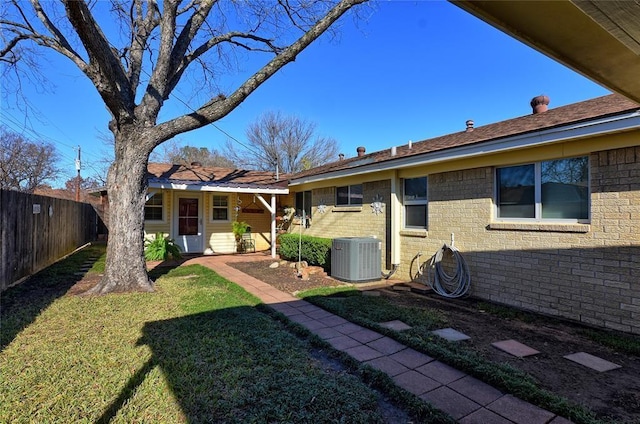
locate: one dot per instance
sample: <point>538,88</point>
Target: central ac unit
<point>356,259</point>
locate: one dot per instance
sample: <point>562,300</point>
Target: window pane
<point>415,188</point>
<point>516,191</point>
<point>220,201</point>
<point>220,214</point>
<point>416,216</point>
<point>355,194</point>
<point>153,213</point>
<point>565,188</point>
<point>342,195</point>
<point>156,199</point>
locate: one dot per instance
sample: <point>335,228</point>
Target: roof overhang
<point>593,128</point>
<point>598,39</point>
<point>195,186</point>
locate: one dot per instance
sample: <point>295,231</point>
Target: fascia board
<point>592,128</point>
<point>199,187</point>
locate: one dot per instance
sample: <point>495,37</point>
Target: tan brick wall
<point>358,221</point>
<point>585,272</point>
<point>590,273</point>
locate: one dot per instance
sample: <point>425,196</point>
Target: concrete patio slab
<point>453,403</point>
<point>484,416</point>
<point>519,411</point>
<point>515,348</point>
<point>343,343</point>
<point>313,325</point>
<point>386,345</point>
<point>365,335</point>
<point>362,353</point>
<point>451,334</point>
<point>416,383</point>
<point>560,420</point>
<point>333,320</point>
<point>395,325</point>
<point>327,333</point>
<point>440,372</point>
<point>593,362</point>
<point>348,328</point>
<point>411,358</point>
<point>387,365</point>
<point>476,390</point>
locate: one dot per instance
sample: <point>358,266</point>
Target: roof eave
<point>592,128</point>
<point>171,185</point>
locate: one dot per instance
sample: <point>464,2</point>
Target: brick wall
<point>358,221</point>
<point>589,273</point>
<point>585,272</point>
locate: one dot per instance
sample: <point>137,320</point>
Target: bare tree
<point>286,141</point>
<point>187,155</point>
<point>136,69</point>
<point>24,164</point>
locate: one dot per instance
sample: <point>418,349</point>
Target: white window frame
<point>213,206</point>
<point>538,196</point>
<point>151,194</point>
<point>419,202</point>
<point>349,196</point>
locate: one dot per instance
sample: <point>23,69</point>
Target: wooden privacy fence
<point>38,230</point>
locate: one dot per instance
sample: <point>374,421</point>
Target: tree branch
<point>220,106</point>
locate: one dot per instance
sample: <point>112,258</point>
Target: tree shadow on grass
<point>22,303</point>
<point>238,365</point>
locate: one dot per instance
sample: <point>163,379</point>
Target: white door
<point>188,223</point>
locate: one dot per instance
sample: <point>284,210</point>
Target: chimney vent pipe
<point>361,150</point>
<point>540,104</point>
<point>469,124</point>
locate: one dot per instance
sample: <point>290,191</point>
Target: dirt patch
<point>614,395</point>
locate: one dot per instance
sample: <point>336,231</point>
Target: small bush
<point>161,248</point>
<point>314,250</point>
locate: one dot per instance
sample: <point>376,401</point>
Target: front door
<point>188,223</point>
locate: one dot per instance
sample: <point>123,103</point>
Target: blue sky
<point>410,70</point>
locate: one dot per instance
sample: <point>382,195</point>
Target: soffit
<point>598,39</point>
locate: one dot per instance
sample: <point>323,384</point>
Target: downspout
<point>396,214</point>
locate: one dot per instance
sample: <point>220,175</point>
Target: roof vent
<point>341,156</point>
<point>540,104</point>
<point>469,124</point>
<point>393,150</point>
<point>361,151</point>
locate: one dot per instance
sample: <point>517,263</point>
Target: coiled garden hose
<point>450,286</point>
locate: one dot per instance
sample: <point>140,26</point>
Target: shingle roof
<point>595,108</point>
<point>221,177</point>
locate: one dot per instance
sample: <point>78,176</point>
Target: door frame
<point>176,213</point>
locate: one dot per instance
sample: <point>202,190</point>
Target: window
<point>349,195</point>
<point>153,208</point>
<point>220,208</point>
<point>303,203</point>
<point>414,199</point>
<point>555,189</point>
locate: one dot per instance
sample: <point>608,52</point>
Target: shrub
<point>314,250</point>
<point>161,248</point>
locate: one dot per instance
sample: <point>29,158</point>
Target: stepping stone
<point>395,325</point>
<point>451,334</point>
<point>515,348</point>
<point>420,288</point>
<point>593,362</point>
<point>401,287</point>
<point>371,293</point>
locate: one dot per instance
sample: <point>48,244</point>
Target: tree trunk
<point>125,268</point>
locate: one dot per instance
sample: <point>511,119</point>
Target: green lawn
<point>197,350</point>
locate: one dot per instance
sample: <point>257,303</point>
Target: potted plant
<point>239,228</point>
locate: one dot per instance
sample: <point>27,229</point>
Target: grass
<point>197,350</point>
<point>369,311</point>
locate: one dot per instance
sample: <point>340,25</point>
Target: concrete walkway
<point>468,400</point>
